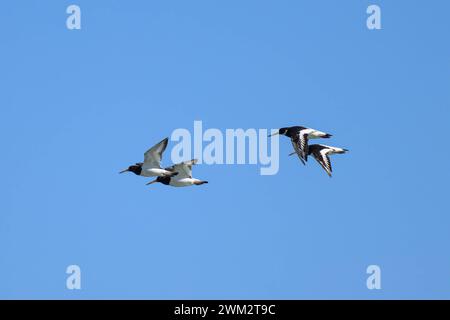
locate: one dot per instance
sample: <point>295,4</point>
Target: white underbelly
<point>181,182</point>
<point>154,172</point>
<point>315,134</point>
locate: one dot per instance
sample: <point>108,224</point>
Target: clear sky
<point>77,106</point>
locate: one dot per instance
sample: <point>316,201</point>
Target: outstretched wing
<point>322,158</point>
<point>298,151</point>
<point>300,144</point>
<point>153,156</point>
<point>184,169</point>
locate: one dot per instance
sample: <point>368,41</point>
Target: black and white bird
<point>321,153</point>
<point>183,176</point>
<point>300,137</point>
<point>151,167</point>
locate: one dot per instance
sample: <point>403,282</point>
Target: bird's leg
<point>151,182</point>
<point>301,159</point>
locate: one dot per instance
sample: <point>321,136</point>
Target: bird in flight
<point>299,137</point>
<point>322,152</point>
<point>151,167</point>
<point>183,178</point>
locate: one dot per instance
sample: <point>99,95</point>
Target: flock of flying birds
<point>180,175</point>
<point>300,137</point>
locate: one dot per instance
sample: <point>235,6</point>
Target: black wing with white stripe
<point>320,154</point>
<point>300,143</point>
<point>297,150</point>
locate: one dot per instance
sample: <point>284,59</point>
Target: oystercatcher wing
<point>184,169</point>
<point>153,156</point>
<point>322,152</point>
<point>300,143</point>
<point>324,161</point>
<point>297,148</point>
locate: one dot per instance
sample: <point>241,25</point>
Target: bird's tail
<point>342,151</point>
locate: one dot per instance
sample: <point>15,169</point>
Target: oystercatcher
<point>322,152</point>
<point>183,177</point>
<point>151,167</point>
<point>299,138</point>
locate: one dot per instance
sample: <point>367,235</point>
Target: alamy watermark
<point>231,146</point>
<point>374,20</point>
<point>73,21</point>
<point>73,281</point>
<point>374,280</point>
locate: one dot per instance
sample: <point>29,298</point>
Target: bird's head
<point>281,131</point>
<point>135,168</point>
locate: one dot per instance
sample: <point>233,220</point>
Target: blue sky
<point>79,105</point>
